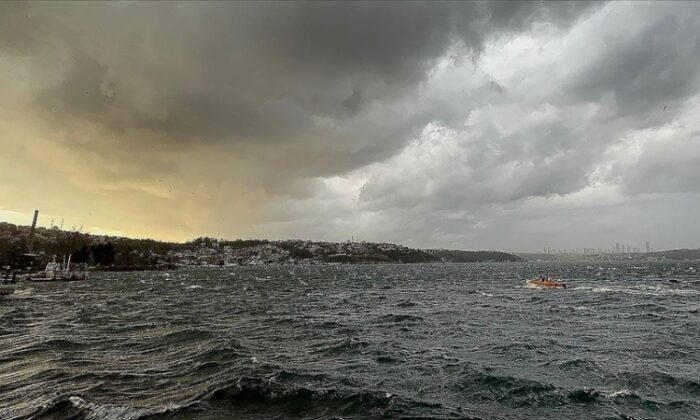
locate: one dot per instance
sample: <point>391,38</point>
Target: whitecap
<point>108,412</point>
<point>618,393</point>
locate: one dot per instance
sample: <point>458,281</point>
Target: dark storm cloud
<point>17,28</point>
<point>242,72</point>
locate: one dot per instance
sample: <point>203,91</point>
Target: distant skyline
<point>476,125</point>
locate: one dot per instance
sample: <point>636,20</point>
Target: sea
<point>411,341</point>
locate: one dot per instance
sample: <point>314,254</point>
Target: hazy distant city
<point>619,248</point>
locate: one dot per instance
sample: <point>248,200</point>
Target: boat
<point>546,282</point>
<point>56,272</point>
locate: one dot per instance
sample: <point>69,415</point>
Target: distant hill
<point>127,253</point>
<point>678,254</point>
<point>456,256</point>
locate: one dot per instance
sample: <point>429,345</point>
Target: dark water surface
<point>377,341</point>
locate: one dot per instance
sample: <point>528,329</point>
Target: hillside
<point>127,253</point>
<point>456,256</point>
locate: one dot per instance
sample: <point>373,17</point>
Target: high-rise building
<point>648,247</point>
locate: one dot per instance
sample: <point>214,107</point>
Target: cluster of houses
<point>227,255</point>
<point>276,252</point>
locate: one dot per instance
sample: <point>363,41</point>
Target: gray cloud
<point>247,72</point>
<point>647,68</point>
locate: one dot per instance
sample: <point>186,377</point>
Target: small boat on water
<point>56,272</point>
<point>546,282</point>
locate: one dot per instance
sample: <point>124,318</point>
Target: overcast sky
<point>497,125</point>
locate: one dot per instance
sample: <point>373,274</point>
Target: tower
<point>30,240</point>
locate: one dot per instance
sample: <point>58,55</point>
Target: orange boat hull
<point>546,283</point>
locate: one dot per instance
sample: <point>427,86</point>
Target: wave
<point>522,392</point>
<point>590,395</point>
<point>653,307</point>
<point>289,376</point>
<point>183,336</point>
<point>516,348</point>
<point>330,325</point>
<point>228,353</point>
<point>679,385</point>
<point>267,399</point>
<point>579,364</point>
<point>77,408</point>
<point>640,290</point>
<point>348,345</point>
<point>273,396</point>
<point>400,318</point>
<point>61,344</point>
<point>388,359</point>
<point>22,293</point>
<point>487,386</point>
<point>651,317</point>
<point>623,396</point>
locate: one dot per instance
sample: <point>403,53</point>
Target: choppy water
<point>379,341</point>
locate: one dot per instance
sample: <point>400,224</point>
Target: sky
<point>471,125</point>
